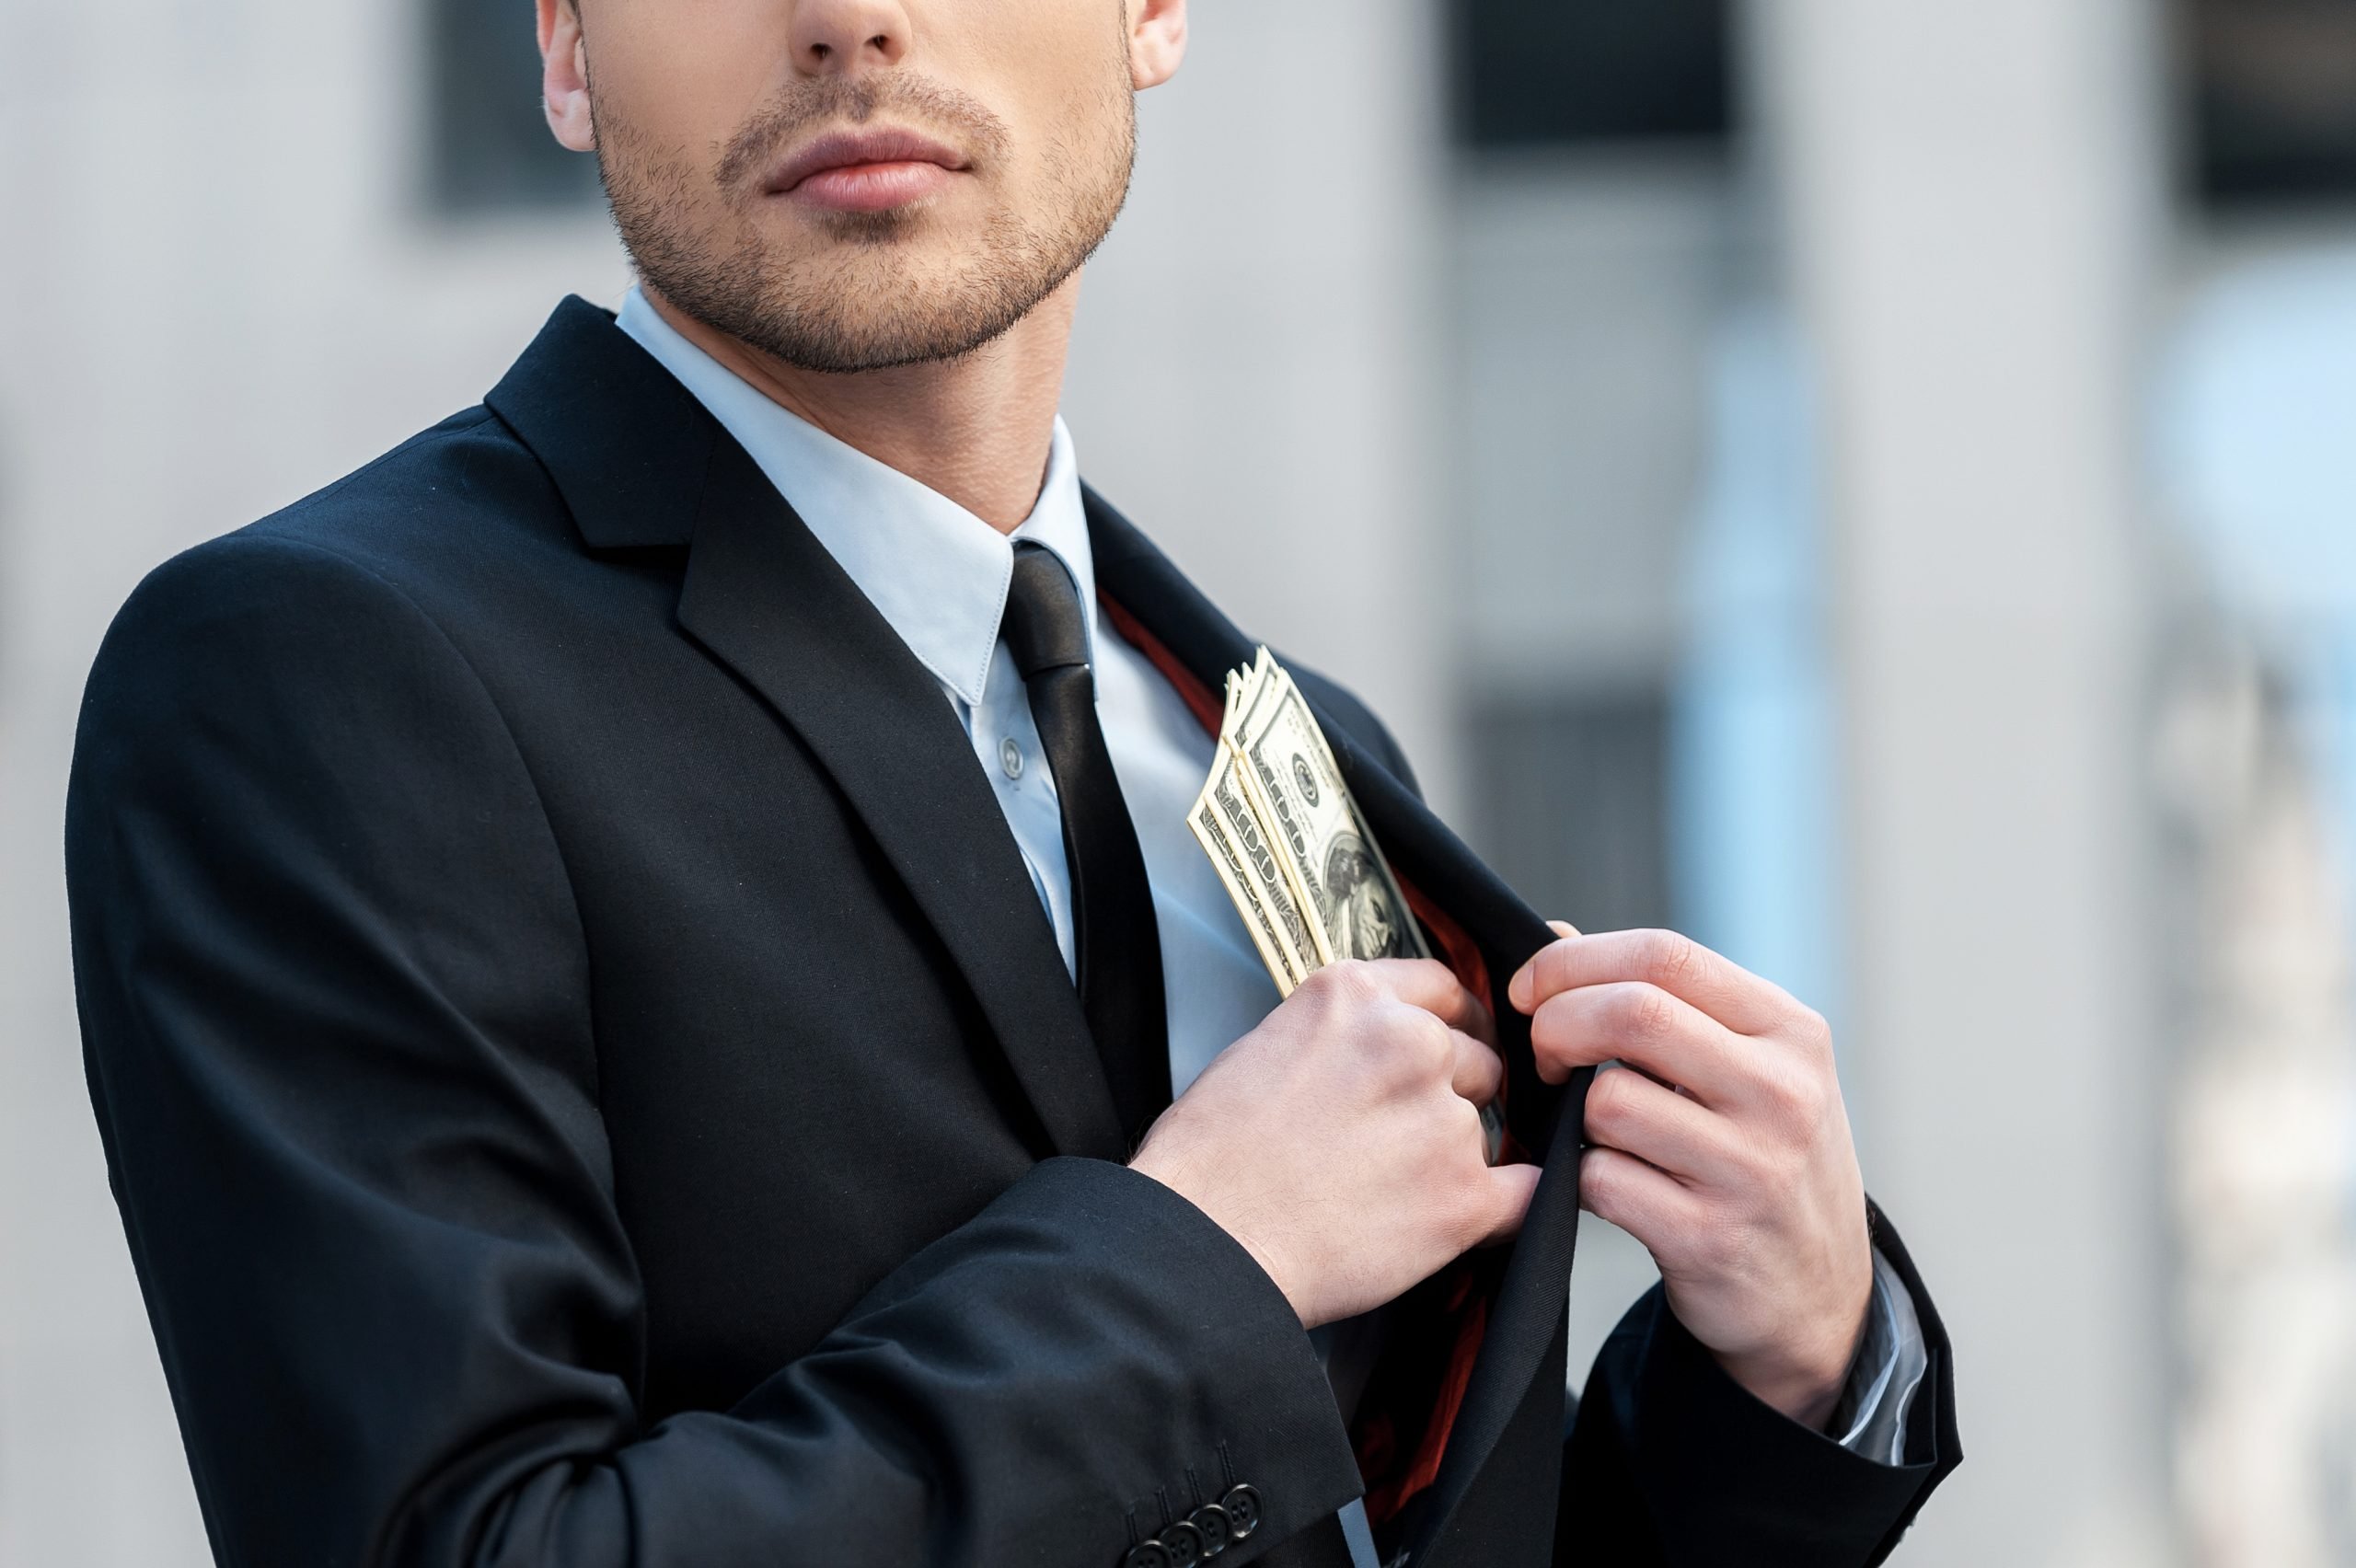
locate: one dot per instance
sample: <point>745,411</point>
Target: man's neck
<point>977,429</point>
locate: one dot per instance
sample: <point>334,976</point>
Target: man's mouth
<point>865,171</point>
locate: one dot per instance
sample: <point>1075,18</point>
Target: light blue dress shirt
<point>939,575</point>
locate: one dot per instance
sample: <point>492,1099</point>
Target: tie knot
<point>1046,626</point>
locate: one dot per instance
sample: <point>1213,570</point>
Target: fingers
<point>1480,1071</point>
<point>1628,1112</point>
<point>1430,985</point>
<point>1649,1204</point>
<point>1425,983</point>
<point>1679,966</point>
<point>1630,1021</point>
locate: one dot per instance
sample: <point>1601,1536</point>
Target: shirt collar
<point>936,573</point>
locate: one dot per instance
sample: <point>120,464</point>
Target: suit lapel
<point>642,465</point>
<point>1523,1341</point>
<point>768,600</point>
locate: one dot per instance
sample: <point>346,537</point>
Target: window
<point>1553,72</point>
<point>488,144</point>
<point>2273,89</point>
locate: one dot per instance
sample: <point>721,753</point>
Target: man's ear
<point>1156,40</point>
<point>564,75</point>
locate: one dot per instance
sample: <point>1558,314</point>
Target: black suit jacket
<point>588,1080</point>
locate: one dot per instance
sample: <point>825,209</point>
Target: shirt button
<point>1010,756</point>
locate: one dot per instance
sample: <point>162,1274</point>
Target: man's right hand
<point>1340,1142</point>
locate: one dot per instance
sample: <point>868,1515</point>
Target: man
<point>651,1002</point>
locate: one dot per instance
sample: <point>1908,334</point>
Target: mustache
<point>804,107</point>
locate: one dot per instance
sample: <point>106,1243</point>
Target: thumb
<point>1510,1188</point>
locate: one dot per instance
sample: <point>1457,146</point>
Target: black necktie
<point>1118,944</point>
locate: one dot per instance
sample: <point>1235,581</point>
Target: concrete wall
<point>1970,197</point>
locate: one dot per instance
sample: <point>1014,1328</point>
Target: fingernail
<point>1518,988</point>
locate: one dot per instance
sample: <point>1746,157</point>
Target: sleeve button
<point>1243,1505</point>
<point>1183,1543</point>
<point>1210,1522</point>
<point>1153,1554</point>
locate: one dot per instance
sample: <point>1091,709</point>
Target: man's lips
<point>865,171</point>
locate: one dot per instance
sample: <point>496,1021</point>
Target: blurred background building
<point>1871,484</point>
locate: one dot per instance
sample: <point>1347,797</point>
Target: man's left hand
<point>1726,1151</point>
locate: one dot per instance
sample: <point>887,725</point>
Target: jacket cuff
<point>1727,1476</point>
<point>1253,1406</point>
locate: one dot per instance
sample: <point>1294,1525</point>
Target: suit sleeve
<point>1672,1464</point>
<point>336,1006</point>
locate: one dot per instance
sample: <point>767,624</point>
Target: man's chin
<point>911,225</point>
<point>850,341</point>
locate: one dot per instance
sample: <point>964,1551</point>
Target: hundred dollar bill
<point>1224,824</point>
<point>1331,858</point>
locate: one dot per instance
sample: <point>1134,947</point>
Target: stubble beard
<point>876,296</point>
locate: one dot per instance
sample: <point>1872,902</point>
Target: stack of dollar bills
<point>1292,849</point>
<point>1287,840</point>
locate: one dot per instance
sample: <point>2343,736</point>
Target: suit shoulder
<point>252,624</point>
<point>371,558</point>
<point>255,682</point>
<point>216,596</point>
<point>465,486</point>
<point>335,605</point>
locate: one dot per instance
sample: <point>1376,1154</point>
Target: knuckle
<point>1814,1098</point>
<point>1413,1045</point>
<point>1347,982</point>
<point>1813,1034</point>
<point>1666,958</point>
<point>1778,1092</point>
<point>1798,1096</point>
<point>1642,1013</point>
<point>1433,1043</point>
